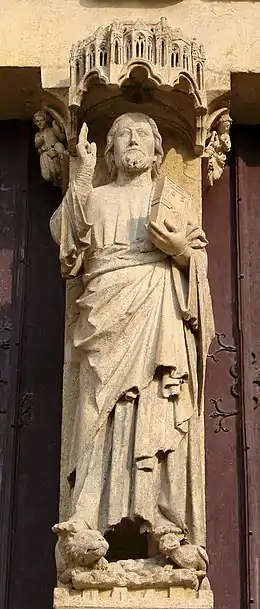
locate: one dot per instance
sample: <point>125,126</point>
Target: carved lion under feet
<point>183,555</point>
<point>78,546</point>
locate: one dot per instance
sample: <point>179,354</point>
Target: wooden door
<point>221,400</point>
<point>247,159</point>
<point>14,143</point>
<point>232,222</point>
<point>32,317</point>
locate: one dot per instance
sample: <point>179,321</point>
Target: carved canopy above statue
<point>153,66</point>
<point>138,67</point>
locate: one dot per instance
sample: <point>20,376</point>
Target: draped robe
<point>143,333</point>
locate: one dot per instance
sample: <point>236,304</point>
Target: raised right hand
<point>86,152</point>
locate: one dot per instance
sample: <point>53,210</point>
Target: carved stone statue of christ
<point>144,327</point>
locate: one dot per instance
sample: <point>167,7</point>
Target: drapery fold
<point>143,332</point>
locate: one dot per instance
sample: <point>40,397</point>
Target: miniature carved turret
<point>111,48</point>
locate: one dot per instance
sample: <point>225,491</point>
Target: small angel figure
<point>48,142</point>
<point>219,144</point>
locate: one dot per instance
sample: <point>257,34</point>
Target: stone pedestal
<point>124,598</point>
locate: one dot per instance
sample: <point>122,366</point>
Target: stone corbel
<point>217,145</point>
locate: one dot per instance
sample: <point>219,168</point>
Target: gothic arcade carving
<point>144,62</point>
<point>112,48</point>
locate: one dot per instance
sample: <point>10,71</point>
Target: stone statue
<point>217,147</point>
<point>48,142</point>
<point>145,324</point>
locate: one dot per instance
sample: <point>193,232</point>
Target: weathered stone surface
<point>148,573</point>
<point>49,143</point>
<point>78,546</point>
<point>217,146</point>
<point>140,406</point>
<point>123,598</point>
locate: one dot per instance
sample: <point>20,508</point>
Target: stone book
<point>170,202</point>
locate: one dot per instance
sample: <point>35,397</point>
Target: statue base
<point>129,598</point>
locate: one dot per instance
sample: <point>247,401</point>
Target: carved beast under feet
<point>78,546</point>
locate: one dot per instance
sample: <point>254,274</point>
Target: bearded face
<point>134,149</point>
<point>135,160</point>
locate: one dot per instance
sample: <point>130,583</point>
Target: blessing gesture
<point>86,152</point>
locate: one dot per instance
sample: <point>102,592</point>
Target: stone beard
<point>135,161</point>
<point>145,324</point>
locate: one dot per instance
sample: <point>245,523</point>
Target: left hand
<point>167,238</point>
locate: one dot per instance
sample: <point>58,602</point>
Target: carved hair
<point>225,118</point>
<point>109,151</point>
<point>42,113</point>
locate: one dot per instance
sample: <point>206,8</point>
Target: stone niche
<point>149,68</point>
<point>153,69</point>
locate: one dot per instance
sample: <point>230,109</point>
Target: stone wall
<point>37,33</point>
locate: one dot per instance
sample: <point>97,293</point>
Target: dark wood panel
<point>246,142</point>
<point>13,182</point>
<point>33,574</point>
<point>12,172</point>
<point>221,429</point>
